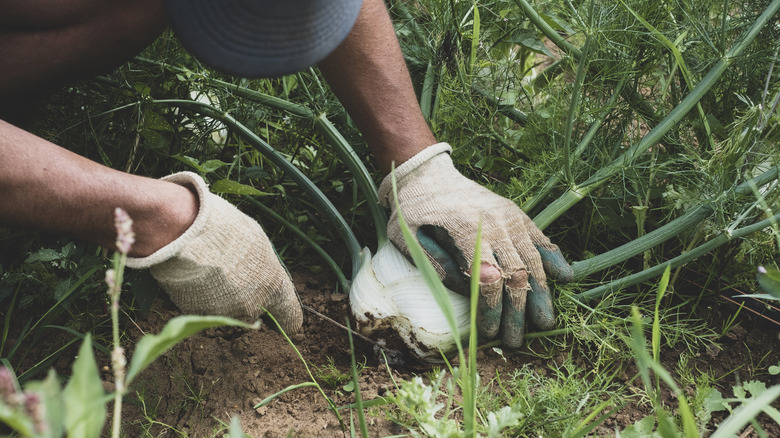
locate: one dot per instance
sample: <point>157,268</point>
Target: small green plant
<point>331,375</point>
<point>46,409</point>
<point>663,424</point>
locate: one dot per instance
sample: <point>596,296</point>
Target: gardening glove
<point>223,264</point>
<point>444,209</point>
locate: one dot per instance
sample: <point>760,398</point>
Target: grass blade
<point>358,398</point>
<point>745,413</point>
<point>429,273</point>
<point>474,40</point>
<point>270,398</point>
<point>150,347</point>
<point>604,174</point>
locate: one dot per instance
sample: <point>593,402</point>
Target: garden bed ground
<point>224,372</point>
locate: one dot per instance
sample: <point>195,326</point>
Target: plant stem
<point>323,203</point>
<point>117,353</point>
<point>643,107</point>
<point>340,145</point>
<point>639,277</point>
<point>312,244</point>
<point>586,139</point>
<point>691,218</point>
<point>359,171</point>
<point>575,99</point>
<point>575,194</point>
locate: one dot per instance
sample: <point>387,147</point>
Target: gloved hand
<point>443,210</point>
<point>223,264</point>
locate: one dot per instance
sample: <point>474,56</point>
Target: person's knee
<point>70,42</point>
<point>49,14</point>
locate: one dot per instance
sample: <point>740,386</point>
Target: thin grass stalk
<point>342,279</point>
<point>64,297</point>
<point>313,381</point>
<point>324,205</point>
<point>474,40</point>
<point>575,194</point>
<point>688,220</point>
<point>426,96</point>
<point>643,107</point>
<point>119,374</point>
<point>46,362</point>
<point>655,339</point>
<point>363,179</point>
<point>340,145</point>
<point>7,320</point>
<point>555,179</point>
<point>680,260</point>
<point>470,373</point>
<point>572,114</point>
<point>358,397</point>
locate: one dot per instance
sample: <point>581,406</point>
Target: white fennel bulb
<point>389,291</point>
<point>218,131</point>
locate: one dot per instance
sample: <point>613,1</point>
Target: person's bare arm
<point>47,188</point>
<point>368,74</point>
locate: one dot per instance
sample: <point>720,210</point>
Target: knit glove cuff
<point>408,166</point>
<point>223,264</point>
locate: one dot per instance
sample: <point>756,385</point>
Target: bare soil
<point>224,372</point>
<point>234,369</point>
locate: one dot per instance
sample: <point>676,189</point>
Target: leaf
<point>656,336</point>
<point>714,401</point>
<point>235,428</point>
<point>235,188</point>
<point>154,139</point>
<point>769,280</point>
<point>190,162</point>
<point>43,255</point>
<point>754,387</point>
<point>774,370</point>
<point>212,165</point>
<point>270,398</point>
<point>153,120</point>
<point>51,396</point>
<point>503,418</point>
<point>530,40</point>
<point>255,172</point>
<point>83,396</point>
<point>746,413</point>
<point>640,429</point>
<point>150,347</point>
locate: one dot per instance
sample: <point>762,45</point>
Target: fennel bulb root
<point>389,291</point>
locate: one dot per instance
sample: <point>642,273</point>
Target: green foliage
<point>492,84</point>
<point>769,280</point>
<point>749,407</point>
<point>45,409</point>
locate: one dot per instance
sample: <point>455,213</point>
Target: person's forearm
<point>44,187</point>
<point>368,74</point>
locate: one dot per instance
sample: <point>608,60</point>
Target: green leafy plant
<point>46,409</point>
<point>760,400</point>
